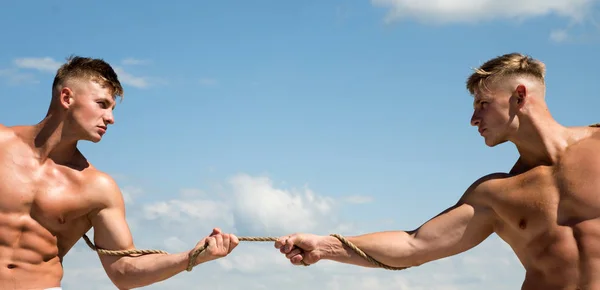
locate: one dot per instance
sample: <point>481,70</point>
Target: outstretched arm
<point>112,232</point>
<point>457,229</point>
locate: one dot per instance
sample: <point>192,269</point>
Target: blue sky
<point>351,114</point>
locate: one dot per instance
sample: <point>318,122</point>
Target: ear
<point>521,95</point>
<point>66,97</point>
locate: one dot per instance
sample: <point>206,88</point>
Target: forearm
<point>393,248</point>
<point>132,272</point>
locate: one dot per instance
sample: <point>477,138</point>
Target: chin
<point>493,143</point>
<point>94,138</point>
<point>97,139</point>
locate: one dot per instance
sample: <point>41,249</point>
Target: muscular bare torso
<point>550,216</point>
<point>43,212</point>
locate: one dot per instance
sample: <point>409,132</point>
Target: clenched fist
<point>302,248</point>
<point>218,245</point>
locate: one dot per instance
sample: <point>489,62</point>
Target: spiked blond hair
<point>512,64</point>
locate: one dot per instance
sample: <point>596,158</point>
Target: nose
<point>475,120</point>
<point>109,118</point>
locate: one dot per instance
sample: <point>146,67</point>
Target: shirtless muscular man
<point>50,195</point>
<point>547,208</point>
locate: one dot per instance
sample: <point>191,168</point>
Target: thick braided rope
<point>198,251</point>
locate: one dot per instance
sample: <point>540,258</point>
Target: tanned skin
<point>547,208</point>
<point>50,195</point>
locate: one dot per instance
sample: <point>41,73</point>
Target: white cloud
<point>465,11</point>
<point>44,64</point>
<point>261,207</point>
<point>254,205</point>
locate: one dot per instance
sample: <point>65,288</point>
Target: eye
<point>102,104</point>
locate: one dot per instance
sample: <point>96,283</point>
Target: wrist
<point>191,260</point>
<point>332,248</point>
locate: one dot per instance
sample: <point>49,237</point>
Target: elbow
<point>120,273</point>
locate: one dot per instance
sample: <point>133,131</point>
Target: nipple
<point>522,224</point>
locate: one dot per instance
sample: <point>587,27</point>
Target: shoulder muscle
<point>104,188</point>
<point>479,192</point>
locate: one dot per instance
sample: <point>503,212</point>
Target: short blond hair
<point>93,69</point>
<point>511,64</point>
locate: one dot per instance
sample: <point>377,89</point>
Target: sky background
<point>266,118</point>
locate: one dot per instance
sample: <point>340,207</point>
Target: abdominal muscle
<point>28,254</point>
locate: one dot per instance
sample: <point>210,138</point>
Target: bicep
<point>455,230</point>
<point>111,231</point>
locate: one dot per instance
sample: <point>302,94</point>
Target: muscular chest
<point>47,194</point>
<point>527,204</point>
<point>548,197</point>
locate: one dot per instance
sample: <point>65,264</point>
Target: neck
<point>50,140</point>
<point>541,141</point>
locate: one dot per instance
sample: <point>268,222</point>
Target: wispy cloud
<point>43,64</point>
<point>134,61</point>
<point>130,193</point>
<point>129,79</point>
<point>559,35</point>
<point>15,77</point>
<point>358,199</point>
<point>342,13</point>
<point>50,65</point>
<point>469,11</point>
